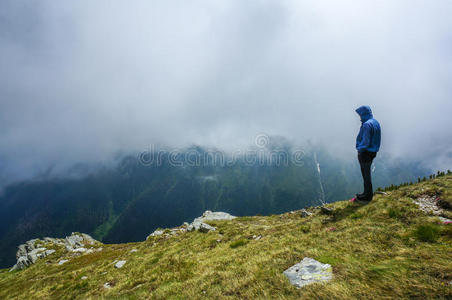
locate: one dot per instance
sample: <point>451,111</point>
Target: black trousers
<point>365,161</point>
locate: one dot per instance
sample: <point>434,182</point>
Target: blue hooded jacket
<point>369,136</point>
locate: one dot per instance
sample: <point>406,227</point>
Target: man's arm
<point>365,140</point>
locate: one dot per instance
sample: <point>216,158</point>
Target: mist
<point>81,81</point>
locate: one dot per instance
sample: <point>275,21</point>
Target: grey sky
<point>81,80</point>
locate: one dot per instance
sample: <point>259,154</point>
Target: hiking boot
<point>364,201</point>
<point>360,196</point>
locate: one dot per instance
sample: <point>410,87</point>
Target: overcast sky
<point>82,80</point>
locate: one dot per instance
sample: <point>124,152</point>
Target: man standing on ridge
<point>367,144</point>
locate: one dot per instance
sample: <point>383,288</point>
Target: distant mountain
<point>126,202</point>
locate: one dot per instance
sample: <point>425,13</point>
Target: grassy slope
<point>374,251</point>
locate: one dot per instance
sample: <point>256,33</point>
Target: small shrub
<point>305,228</point>
<point>355,216</point>
<point>238,243</point>
<point>213,244</point>
<point>394,213</point>
<point>427,232</point>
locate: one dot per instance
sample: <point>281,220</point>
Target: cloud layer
<point>83,80</point>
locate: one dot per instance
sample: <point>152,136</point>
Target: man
<point>367,144</point>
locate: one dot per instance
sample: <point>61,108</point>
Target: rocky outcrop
<point>202,227</point>
<point>197,224</point>
<point>156,233</point>
<point>28,253</point>
<point>168,232</point>
<point>77,242</point>
<point>308,271</point>
<point>212,216</point>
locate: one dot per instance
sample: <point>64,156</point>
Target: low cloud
<point>83,80</point>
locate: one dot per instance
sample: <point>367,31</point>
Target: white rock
<point>428,204</point>
<point>217,215</point>
<point>107,285</point>
<point>203,227</point>
<point>63,261</point>
<point>78,241</point>
<point>48,252</point>
<point>308,271</point>
<point>133,250</point>
<point>198,223</point>
<point>27,254</point>
<point>192,227</point>
<point>80,250</point>
<point>155,233</point>
<point>84,277</point>
<point>120,264</point>
<point>380,193</point>
<point>305,213</point>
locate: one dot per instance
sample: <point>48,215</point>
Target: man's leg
<point>362,161</point>
<point>365,161</point>
<point>368,191</point>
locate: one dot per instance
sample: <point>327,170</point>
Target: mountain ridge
<point>387,249</point>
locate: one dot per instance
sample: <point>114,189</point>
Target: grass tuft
<point>427,232</point>
<point>238,243</point>
<point>394,213</point>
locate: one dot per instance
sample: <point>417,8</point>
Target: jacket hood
<point>364,112</point>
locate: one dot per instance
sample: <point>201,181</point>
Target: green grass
<point>427,232</point>
<point>394,213</point>
<point>387,249</point>
<point>238,243</point>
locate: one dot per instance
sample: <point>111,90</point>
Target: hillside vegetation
<point>385,250</point>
